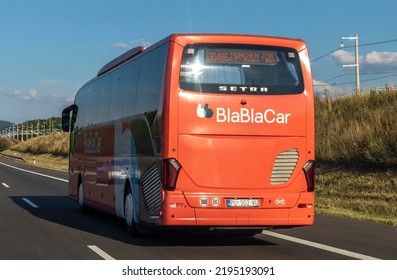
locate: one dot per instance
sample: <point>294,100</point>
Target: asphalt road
<point>39,222</point>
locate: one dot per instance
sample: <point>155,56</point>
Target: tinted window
<point>81,102</point>
<point>118,81</point>
<point>151,77</point>
<point>150,88</point>
<point>131,90</point>
<point>103,90</point>
<point>242,69</point>
<point>131,84</point>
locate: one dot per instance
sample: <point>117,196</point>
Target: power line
<point>324,55</point>
<point>371,74</point>
<point>360,45</point>
<point>333,78</point>
<point>378,43</point>
<point>349,83</point>
<point>378,78</point>
<point>356,64</point>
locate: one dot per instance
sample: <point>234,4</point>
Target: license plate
<point>242,203</point>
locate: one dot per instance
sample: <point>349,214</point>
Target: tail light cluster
<point>309,169</point>
<point>170,171</point>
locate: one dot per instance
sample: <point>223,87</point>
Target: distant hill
<point>4,124</point>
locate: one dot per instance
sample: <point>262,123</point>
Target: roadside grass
<point>356,154</point>
<point>50,151</point>
<point>357,130</point>
<point>55,144</point>
<point>368,194</point>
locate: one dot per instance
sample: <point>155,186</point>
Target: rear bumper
<point>182,214</point>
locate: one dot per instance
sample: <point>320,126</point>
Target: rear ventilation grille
<point>283,167</point>
<point>151,188</point>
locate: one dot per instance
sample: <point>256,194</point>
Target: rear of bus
<point>238,133</point>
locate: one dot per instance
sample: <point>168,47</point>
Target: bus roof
<point>120,60</point>
<point>184,39</point>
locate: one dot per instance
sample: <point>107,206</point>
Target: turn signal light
<point>305,205</point>
<point>177,205</point>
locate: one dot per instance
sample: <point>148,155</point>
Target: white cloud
<point>387,58</point>
<point>30,96</point>
<point>121,45</point>
<point>9,92</point>
<point>69,99</point>
<point>139,42</point>
<point>323,89</point>
<point>15,92</point>
<point>372,62</point>
<point>343,57</point>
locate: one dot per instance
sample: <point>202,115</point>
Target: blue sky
<point>49,49</point>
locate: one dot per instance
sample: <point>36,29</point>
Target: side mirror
<point>67,121</point>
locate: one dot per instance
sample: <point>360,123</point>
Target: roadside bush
<point>4,144</point>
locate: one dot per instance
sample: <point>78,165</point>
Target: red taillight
<point>309,169</point>
<point>170,173</point>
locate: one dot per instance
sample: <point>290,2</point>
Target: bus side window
<point>130,90</point>
<point>103,97</point>
<point>118,82</point>
<point>151,85</point>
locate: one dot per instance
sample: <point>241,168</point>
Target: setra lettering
<point>251,89</point>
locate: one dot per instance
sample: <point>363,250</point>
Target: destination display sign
<point>233,56</point>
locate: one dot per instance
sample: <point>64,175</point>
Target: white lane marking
<point>5,185</point>
<point>319,246</point>
<point>35,173</point>
<point>30,203</point>
<point>100,252</point>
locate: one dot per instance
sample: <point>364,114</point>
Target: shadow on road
<point>64,211</point>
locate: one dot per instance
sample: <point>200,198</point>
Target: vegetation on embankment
<point>50,151</point>
<point>55,144</point>
<point>356,153</point>
<point>358,130</point>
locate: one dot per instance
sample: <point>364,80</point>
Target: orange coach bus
<point>200,131</point>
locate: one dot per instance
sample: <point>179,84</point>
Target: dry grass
<point>55,144</point>
<point>356,150</point>
<point>358,130</point>
<point>50,151</point>
<point>45,160</point>
<point>365,194</point>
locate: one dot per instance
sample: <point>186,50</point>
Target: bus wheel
<point>129,213</point>
<point>80,198</point>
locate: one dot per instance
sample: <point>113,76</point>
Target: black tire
<point>129,212</point>
<point>80,198</point>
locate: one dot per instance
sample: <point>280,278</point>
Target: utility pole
<point>357,65</point>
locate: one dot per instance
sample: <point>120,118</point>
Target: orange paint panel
<point>233,162</point>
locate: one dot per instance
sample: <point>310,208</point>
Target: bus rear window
<point>241,69</point>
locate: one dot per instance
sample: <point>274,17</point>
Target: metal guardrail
<point>12,157</point>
